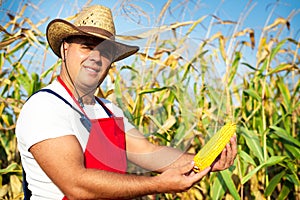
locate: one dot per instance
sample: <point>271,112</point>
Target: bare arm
<point>153,157</point>
<point>63,161</point>
<point>161,158</point>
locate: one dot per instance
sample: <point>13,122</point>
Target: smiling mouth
<point>91,69</point>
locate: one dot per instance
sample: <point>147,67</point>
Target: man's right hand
<point>179,179</point>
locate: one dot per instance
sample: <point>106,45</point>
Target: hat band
<point>96,30</point>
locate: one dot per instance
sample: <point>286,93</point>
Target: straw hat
<point>94,21</point>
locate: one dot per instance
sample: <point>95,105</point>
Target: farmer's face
<point>88,61</point>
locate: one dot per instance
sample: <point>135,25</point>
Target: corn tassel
<point>210,151</point>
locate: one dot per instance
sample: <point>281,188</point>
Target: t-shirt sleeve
<point>43,117</point>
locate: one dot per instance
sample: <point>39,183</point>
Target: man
<point>74,145</point>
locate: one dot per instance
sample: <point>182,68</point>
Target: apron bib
<point>106,145</point>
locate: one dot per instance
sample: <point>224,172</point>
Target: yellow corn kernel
<point>210,151</point>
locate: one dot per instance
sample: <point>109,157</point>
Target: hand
<point>226,158</point>
<point>180,179</point>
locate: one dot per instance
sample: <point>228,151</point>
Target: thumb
<point>204,171</point>
<point>187,167</point>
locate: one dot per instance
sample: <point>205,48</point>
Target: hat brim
<point>60,29</point>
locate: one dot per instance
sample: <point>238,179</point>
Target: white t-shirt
<point>45,116</point>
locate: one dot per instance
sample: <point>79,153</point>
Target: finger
<point>233,144</point>
<point>230,152</point>
<point>223,157</point>
<point>229,156</point>
<point>187,168</point>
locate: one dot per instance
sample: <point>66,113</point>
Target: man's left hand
<point>227,157</point>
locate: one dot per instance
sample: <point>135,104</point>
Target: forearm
<point>153,157</point>
<point>98,184</point>
<point>161,158</point>
<point>182,157</point>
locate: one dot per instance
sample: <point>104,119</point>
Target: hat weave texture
<point>95,21</point>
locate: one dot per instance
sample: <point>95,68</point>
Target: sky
<point>134,16</point>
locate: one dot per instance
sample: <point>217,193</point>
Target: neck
<point>83,98</point>
<point>87,100</point>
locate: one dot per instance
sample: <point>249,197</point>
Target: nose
<point>95,56</point>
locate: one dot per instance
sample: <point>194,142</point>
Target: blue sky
<point>260,10</point>
<point>257,14</point>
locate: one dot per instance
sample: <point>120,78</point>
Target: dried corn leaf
<point>220,21</point>
<point>283,67</point>
<point>171,61</point>
<point>222,47</point>
<point>145,57</point>
<point>3,29</point>
<point>277,22</point>
<point>7,42</point>
<point>155,31</point>
<point>15,185</point>
<point>164,9</point>
<point>215,36</point>
<point>4,190</point>
<point>33,26</point>
<point>167,125</point>
<point>31,37</point>
<point>249,31</point>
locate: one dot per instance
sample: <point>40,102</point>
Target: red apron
<point>106,146</point>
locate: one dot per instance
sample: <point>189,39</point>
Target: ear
<point>63,48</point>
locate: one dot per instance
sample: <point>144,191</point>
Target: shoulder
<point>43,116</point>
<point>44,99</point>
<point>43,108</point>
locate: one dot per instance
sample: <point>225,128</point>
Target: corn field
<point>174,94</point>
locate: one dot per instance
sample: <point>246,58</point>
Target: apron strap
<point>108,112</point>
<point>83,118</point>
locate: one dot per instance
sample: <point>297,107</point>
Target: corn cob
<point>205,157</point>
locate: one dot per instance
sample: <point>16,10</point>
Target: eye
<point>88,47</point>
<point>105,54</point>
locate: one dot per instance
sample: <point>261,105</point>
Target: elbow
<point>74,193</point>
<point>76,188</point>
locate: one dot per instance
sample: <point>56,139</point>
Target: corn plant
<point>16,85</point>
<point>265,105</point>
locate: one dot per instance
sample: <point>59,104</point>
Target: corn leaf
<point>152,90</point>
<point>119,100</point>
<point>284,91</point>
<point>13,167</point>
<point>293,178</point>
<point>270,162</point>
<point>273,183</point>
<point>285,190</point>
<point>253,143</point>
<point>276,49</point>
<point>246,157</point>
<point>226,175</point>
<point>253,94</point>
<point>217,189</point>
<point>234,67</point>
<point>282,133</point>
